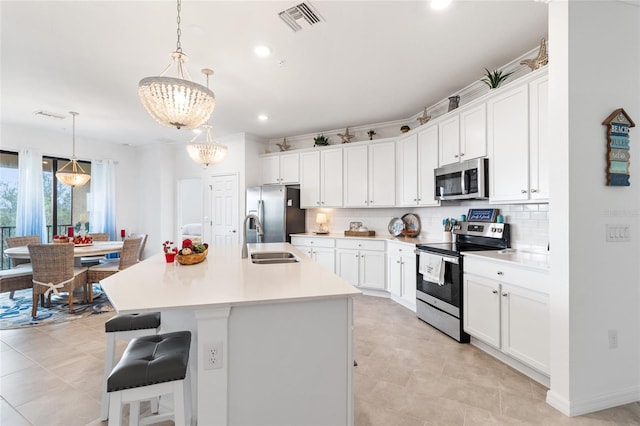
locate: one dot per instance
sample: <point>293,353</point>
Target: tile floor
<point>407,374</point>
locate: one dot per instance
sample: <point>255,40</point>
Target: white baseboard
<point>597,403</point>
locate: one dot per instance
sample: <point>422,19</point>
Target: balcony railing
<point>10,231</point>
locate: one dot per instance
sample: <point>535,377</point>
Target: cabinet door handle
<point>494,291</point>
<point>462,154</point>
<point>534,190</point>
<point>505,294</point>
<point>523,191</point>
<point>397,261</point>
<point>415,199</point>
<point>500,273</point>
<point>322,202</point>
<point>455,156</point>
<point>318,202</point>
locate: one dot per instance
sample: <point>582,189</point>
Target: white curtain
<point>31,219</point>
<point>103,197</point>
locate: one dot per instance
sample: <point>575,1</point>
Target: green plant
<point>320,140</point>
<point>405,129</point>
<point>494,79</point>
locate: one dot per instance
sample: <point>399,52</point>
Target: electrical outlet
<point>613,339</point>
<point>212,355</point>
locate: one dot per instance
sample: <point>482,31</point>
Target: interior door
<point>224,209</point>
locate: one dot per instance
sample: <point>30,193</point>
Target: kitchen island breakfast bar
<point>272,342</point>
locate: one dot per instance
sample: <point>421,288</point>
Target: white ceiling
<point>369,62</point>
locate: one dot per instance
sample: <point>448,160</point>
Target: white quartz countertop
<point>532,259</point>
<point>222,279</point>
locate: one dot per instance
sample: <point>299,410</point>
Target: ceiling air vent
<point>50,114</point>
<point>303,13</point>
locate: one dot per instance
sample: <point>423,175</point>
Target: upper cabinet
<point>449,141</point>
<point>321,178</point>
<point>463,136</point>
<point>369,175</point>
<point>417,157</point>
<point>280,168</point>
<point>518,144</point>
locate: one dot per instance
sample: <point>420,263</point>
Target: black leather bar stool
<point>152,366</point>
<point>125,327</point>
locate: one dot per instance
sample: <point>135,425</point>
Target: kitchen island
<point>272,343</point>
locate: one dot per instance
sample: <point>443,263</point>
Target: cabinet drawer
<point>505,273</point>
<point>313,242</point>
<point>401,249</point>
<point>360,244</point>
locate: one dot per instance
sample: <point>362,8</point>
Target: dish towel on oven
<point>432,268</point>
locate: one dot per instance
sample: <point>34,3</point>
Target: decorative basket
<point>192,259</point>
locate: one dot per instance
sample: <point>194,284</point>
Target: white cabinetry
<point>518,144</point>
<point>361,262</point>
<point>464,135</point>
<point>417,157</point>
<point>449,142</point>
<point>280,169</point>
<point>321,178</point>
<point>507,307</point>
<point>401,273</point>
<point>369,175</point>
<point>319,249</point>
<point>473,132</point>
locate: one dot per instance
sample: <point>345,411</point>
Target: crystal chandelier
<point>210,151</point>
<point>72,174</point>
<point>176,102</point>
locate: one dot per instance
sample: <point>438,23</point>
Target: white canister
<point>447,237</point>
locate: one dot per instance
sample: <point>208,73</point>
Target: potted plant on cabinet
<point>320,140</point>
<point>495,78</point>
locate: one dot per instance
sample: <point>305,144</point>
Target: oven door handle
<point>450,259</point>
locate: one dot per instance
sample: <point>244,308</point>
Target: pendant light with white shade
<point>72,173</point>
<point>176,102</point>
<point>210,151</point>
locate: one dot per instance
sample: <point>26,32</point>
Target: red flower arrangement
<point>167,247</point>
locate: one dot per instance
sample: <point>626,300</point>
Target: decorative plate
<point>412,225</point>
<point>396,226</point>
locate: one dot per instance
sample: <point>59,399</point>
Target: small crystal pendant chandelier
<point>72,174</point>
<point>176,102</point>
<point>210,151</point>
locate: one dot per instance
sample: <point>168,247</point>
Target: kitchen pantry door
<point>224,210</point>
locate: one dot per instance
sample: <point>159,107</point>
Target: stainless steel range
<point>440,271</point>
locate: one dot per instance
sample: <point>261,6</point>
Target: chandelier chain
<point>178,31</point>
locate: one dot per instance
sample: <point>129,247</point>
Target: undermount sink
<point>271,257</point>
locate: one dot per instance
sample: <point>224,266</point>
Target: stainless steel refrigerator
<point>278,207</point>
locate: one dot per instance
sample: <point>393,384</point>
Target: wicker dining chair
<point>19,242</point>
<point>128,257</point>
<point>142,244</point>
<point>54,271</point>
<point>95,260</point>
<point>25,281</point>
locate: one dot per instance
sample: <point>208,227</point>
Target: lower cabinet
<point>319,249</point>
<point>507,307</point>
<point>361,262</point>
<point>401,273</point>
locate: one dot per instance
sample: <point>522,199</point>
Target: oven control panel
<point>480,229</point>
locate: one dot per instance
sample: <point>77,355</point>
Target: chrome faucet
<point>245,253</point>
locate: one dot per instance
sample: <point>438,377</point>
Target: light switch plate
<point>618,233</point>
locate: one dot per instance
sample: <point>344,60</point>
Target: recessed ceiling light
<point>262,51</point>
<point>440,4</point>
<point>263,117</point>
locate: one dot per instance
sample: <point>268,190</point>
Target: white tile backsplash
<point>529,222</point>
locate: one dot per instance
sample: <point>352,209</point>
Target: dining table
<point>97,248</point>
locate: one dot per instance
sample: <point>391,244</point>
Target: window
<point>64,206</point>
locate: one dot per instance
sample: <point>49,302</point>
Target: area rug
<point>16,312</point>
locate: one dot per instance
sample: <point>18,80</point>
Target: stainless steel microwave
<point>460,181</point>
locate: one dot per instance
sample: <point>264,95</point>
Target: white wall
<point>594,69</point>
<point>14,138</point>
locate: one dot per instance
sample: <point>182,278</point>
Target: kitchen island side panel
<point>291,363</point>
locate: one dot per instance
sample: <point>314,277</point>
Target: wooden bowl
<point>192,259</point>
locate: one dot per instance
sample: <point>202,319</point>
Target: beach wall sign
<point>618,156</point>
